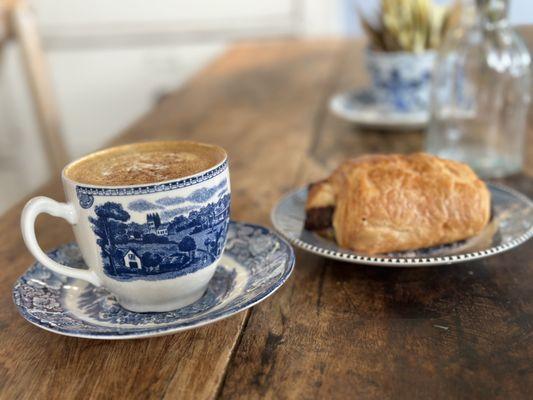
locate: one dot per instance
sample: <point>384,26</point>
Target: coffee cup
<point>155,245</point>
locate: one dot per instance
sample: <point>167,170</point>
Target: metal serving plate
<point>511,225</point>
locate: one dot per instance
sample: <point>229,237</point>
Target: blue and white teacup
<point>154,246</point>
<point>401,80</point>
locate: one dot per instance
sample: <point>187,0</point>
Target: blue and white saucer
<point>256,262</point>
<point>362,107</point>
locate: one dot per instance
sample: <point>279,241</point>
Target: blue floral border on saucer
<point>255,264</point>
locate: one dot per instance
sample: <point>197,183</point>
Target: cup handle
<point>66,211</point>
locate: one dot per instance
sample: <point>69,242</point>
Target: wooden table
<point>334,330</point>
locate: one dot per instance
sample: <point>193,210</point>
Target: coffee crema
<point>143,163</point>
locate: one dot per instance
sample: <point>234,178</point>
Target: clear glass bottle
<point>481,92</point>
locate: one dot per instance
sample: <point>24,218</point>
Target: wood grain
<point>242,102</point>
<point>334,330</point>
<point>344,331</point>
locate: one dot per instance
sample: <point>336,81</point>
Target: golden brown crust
<point>321,194</point>
<point>403,202</point>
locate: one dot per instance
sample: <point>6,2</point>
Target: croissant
<point>387,203</point>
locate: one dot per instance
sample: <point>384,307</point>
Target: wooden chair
<point>17,22</point>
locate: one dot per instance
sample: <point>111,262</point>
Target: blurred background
<point>110,61</point>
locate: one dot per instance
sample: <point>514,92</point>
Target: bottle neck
<point>468,12</point>
<point>492,14</point>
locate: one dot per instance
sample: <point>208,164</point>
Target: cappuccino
<point>143,163</point>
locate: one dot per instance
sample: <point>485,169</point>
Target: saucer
<point>361,106</point>
<point>256,262</point>
<point>510,226</point>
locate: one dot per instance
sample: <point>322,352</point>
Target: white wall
<point>22,163</point>
<point>110,60</point>
<point>520,12</point>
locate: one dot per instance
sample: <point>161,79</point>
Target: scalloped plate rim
<point>399,262</point>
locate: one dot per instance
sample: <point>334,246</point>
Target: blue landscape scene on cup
<point>173,239</point>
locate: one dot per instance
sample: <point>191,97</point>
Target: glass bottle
<point>481,92</point>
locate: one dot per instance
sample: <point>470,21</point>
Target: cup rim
<point>65,178</point>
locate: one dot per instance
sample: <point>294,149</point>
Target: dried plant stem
<point>407,25</point>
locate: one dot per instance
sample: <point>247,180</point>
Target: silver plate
<point>511,225</point>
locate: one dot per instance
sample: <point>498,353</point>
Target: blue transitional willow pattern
<point>160,247</point>
<point>165,235</point>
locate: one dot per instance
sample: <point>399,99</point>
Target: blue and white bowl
<point>401,79</point>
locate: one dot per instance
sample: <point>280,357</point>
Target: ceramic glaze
<point>154,246</point>
<point>255,263</point>
<point>401,79</point>
<point>162,238</point>
<point>363,107</point>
